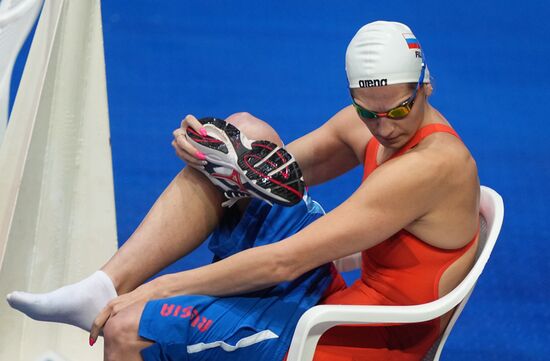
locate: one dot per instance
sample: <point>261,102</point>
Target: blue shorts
<point>254,326</point>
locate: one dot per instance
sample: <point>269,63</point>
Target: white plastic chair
<point>319,319</point>
<point>16,20</point>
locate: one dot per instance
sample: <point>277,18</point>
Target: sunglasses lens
<point>364,113</point>
<point>399,112</point>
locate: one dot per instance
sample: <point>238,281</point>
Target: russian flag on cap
<point>411,41</point>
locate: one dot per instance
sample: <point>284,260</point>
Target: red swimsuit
<point>402,270</point>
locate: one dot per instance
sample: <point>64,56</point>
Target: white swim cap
<point>384,53</point>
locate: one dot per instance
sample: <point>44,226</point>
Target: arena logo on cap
<point>412,43</point>
<point>372,83</point>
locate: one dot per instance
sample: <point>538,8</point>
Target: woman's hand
<point>142,294</point>
<point>184,150</point>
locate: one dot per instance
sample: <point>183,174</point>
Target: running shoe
<point>244,168</point>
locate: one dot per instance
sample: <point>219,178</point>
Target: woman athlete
<point>415,216</point>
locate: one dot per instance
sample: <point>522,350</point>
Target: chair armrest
<point>315,321</point>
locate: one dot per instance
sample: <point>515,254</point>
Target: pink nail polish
<point>203,132</point>
<point>92,341</point>
<point>200,155</point>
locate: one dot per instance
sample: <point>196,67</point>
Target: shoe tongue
<point>215,132</point>
<point>247,142</point>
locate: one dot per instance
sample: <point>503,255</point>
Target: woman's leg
<point>180,220</point>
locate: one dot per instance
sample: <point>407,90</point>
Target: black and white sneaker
<point>243,168</point>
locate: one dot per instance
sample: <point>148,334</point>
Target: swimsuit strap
<point>423,133</point>
<point>371,151</point>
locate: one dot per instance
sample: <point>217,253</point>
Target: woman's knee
<point>121,334</point>
<point>241,117</point>
<point>253,127</point>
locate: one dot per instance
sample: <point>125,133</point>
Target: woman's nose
<point>385,127</point>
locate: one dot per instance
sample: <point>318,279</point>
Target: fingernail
<point>203,132</point>
<point>200,155</point>
<point>92,341</point>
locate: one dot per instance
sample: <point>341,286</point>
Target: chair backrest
<point>16,20</point>
<point>492,215</point>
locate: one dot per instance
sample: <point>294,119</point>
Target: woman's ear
<point>428,89</point>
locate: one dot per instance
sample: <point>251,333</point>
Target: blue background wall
<point>284,62</point>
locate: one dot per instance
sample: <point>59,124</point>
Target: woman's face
<point>391,133</point>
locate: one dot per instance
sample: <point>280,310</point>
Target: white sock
<point>77,304</point>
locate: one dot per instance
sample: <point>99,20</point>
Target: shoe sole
<point>265,169</point>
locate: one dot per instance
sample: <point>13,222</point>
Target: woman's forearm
<point>250,270</point>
